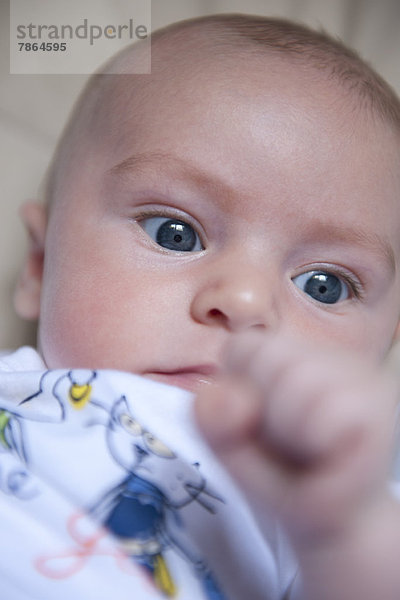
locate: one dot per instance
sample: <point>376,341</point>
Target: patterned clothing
<point>107,490</point>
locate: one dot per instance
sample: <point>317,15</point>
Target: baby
<point>230,225</point>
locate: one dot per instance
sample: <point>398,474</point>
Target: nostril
<point>217,315</point>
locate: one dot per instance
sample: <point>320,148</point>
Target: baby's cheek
<point>75,328</point>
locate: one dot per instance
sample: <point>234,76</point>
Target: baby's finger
<point>317,410</point>
<point>229,416</point>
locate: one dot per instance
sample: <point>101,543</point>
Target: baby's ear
<point>28,288</point>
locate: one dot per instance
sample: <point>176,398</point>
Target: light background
<point>33,109</point>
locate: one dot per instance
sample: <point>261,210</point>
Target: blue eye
<point>322,286</point>
<point>172,234</point>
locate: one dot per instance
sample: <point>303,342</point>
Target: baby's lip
<point>189,378</point>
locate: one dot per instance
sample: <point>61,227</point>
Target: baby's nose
<point>236,297</point>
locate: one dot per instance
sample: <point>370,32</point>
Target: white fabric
<point>75,450</point>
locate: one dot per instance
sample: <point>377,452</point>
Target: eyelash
<point>356,288</point>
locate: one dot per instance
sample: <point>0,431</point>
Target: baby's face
<point>223,199</point>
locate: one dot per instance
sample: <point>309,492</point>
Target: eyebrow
<point>201,178</point>
<point>322,231</point>
<point>318,231</point>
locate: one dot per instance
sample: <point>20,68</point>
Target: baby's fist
<point>306,433</point>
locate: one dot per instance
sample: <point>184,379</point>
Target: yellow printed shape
<point>79,395</point>
<point>162,577</point>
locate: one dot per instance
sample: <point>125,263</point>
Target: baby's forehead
<point>178,86</point>
<point>182,57</point>
<point>193,64</point>
<point>182,73</point>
